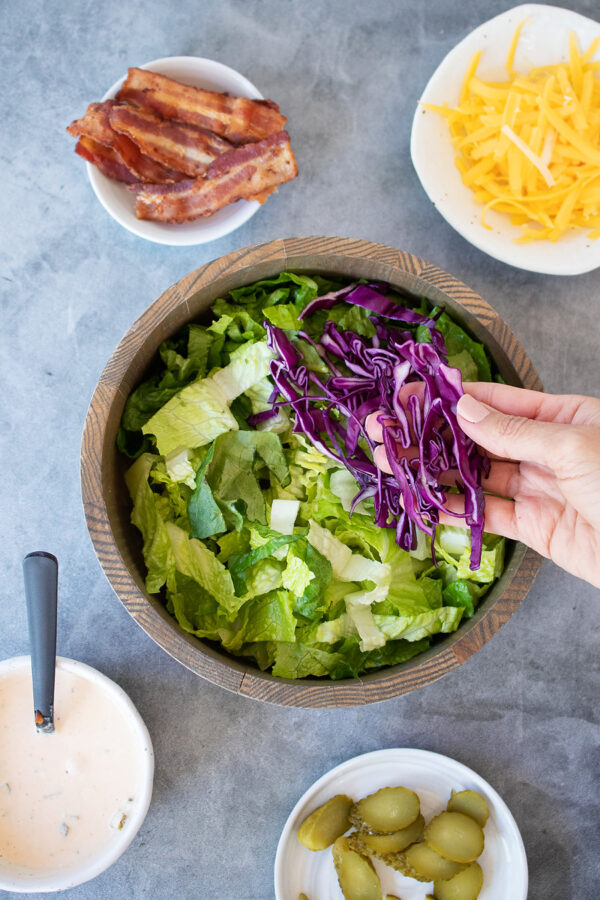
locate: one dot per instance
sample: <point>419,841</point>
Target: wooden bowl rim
<point>235,674</point>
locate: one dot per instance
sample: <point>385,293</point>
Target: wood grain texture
<point>107,508</point>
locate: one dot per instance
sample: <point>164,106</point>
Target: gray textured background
<point>524,711</point>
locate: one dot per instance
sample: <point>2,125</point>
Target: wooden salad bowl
<point>118,544</point>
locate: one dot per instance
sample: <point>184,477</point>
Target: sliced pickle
<point>394,860</point>
<point>399,862</point>
<point>387,810</point>
<point>379,844</point>
<point>392,897</point>
<point>455,836</point>
<point>464,886</point>
<point>471,804</point>
<point>302,897</point>
<point>356,874</point>
<point>429,865</point>
<point>326,823</point>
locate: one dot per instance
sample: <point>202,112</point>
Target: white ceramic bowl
<point>120,203</point>
<point>544,40</point>
<point>22,880</point>
<point>432,776</point>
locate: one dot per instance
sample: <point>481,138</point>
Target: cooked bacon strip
<point>238,119</point>
<point>105,158</point>
<point>146,168</point>
<point>263,196</point>
<point>242,173</point>
<point>95,124</point>
<point>183,147</point>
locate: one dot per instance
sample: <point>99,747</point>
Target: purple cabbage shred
<point>366,375</point>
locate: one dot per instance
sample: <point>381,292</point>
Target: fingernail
<point>471,409</point>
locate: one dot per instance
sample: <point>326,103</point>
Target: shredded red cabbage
<point>366,375</point>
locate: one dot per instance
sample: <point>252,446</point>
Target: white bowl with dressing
<point>71,802</point>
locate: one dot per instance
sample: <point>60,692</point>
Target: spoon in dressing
<point>40,573</point>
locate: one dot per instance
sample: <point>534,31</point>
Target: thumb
<point>510,437</point>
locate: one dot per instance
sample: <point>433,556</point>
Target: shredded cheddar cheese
<point>530,146</point>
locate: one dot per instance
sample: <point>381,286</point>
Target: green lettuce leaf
<point>414,628</point>
<point>285,287</point>
<point>249,364</point>
<point>467,365</point>
<point>433,590</point>
<point>240,326</point>
<point>453,545</point>
<point>195,608</point>
<point>361,616</point>
<point>185,359</point>
<point>457,340</point>
<point>463,593</point>
<point>175,494</point>
<point>334,630</point>
<point>200,412</point>
<point>406,595</point>
<point>231,473</point>
<point>259,395</point>
<point>198,349</point>
<point>238,564</point>
<point>297,660</point>
<point>146,515</point>
<point>192,418</point>
<point>394,652</point>
<point>308,576</point>
<point>346,566</point>
<point>205,517</point>
<point>269,617</point>
<point>353,318</point>
<point>233,542</point>
<point>284,316</point>
<point>195,560</point>
<point>264,576</point>
<point>261,651</point>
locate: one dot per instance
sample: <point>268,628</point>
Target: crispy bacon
<point>146,168</point>
<point>185,148</point>
<point>95,124</point>
<point>105,158</point>
<point>242,173</point>
<point>238,119</point>
<point>264,195</point>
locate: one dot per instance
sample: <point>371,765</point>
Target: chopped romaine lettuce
<point>283,515</point>
<point>200,411</point>
<point>247,528</point>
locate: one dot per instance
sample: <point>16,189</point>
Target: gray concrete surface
<point>524,711</point>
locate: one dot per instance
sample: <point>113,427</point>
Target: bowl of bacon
<point>184,150</point>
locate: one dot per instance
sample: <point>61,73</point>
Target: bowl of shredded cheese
<point>506,139</point>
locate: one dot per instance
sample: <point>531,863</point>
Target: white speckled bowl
<point>544,40</point>
<point>22,880</point>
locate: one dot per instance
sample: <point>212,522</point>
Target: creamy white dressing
<point>66,797</point>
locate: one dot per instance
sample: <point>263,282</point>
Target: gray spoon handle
<point>40,572</point>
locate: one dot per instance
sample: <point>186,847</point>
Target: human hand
<point>543,487</point>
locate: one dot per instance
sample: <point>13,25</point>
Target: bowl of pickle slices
<point>401,823</point>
